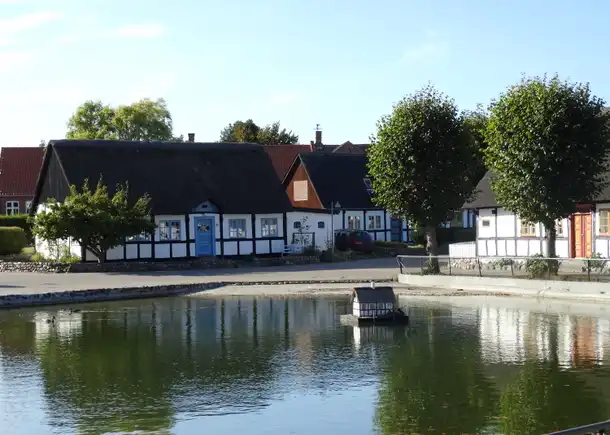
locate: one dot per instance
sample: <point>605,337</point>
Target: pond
<point>286,366</point>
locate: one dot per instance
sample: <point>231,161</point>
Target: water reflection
<point>176,364</point>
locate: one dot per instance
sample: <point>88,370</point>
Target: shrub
<point>539,266</point>
<point>19,220</point>
<point>12,240</point>
<point>446,235</point>
<point>597,263</point>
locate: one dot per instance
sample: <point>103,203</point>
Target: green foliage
<point>547,145</point>
<point>12,240</point>
<point>142,120</point>
<point>539,267</point>
<point>596,263</point>
<point>248,131</point>
<point>475,123</point>
<point>421,161</point>
<point>19,220</point>
<point>94,219</point>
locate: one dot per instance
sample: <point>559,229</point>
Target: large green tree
<point>142,120</point>
<point>422,162</point>
<point>475,122</point>
<point>547,142</point>
<point>94,219</point>
<point>249,131</point>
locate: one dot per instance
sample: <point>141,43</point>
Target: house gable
<point>52,181</point>
<point>300,189</point>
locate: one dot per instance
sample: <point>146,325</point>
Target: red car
<point>355,240</point>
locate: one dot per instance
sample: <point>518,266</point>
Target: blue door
<point>396,229</point>
<point>205,236</point>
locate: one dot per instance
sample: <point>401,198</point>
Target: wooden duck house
<point>374,305</point>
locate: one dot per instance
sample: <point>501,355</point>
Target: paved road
<point>31,283</point>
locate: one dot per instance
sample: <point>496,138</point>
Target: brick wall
<point>21,199</point>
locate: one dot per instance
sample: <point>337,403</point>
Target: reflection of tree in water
<point>543,398</point>
<point>434,382</point>
<point>125,375</point>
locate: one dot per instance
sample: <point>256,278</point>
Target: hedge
<point>12,240</point>
<point>20,221</point>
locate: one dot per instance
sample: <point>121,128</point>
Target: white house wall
<point>322,235</point>
<point>499,235</point>
<point>601,243</point>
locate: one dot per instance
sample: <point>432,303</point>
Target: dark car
<point>356,240</point>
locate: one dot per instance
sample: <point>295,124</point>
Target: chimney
<point>319,146</point>
<point>191,137</point>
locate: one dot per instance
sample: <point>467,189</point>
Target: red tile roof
<point>282,156</point>
<point>351,148</point>
<point>19,169</point>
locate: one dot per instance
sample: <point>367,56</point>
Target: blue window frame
<point>269,227</point>
<point>170,230</point>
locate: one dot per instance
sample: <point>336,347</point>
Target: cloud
<point>285,98</point>
<point>11,27</point>
<point>150,30</point>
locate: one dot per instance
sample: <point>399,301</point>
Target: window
<point>142,237</point>
<point>485,223</point>
<point>237,228</point>
<point>604,222</point>
<point>321,225</point>
<point>528,229</point>
<point>28,206</point>
<point>559,227</point>
<point>368,185</point>
<point>300,190</point>
<point>374,222</point>
<point>269,227</point>
<point>12,207</point>
<point>353,222</point>
<point>169,230</point>
<point>296,225</point>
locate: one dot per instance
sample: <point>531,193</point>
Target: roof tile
<point>19,169</point>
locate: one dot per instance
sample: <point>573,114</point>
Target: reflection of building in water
<point>501,332</point>
<point>581,340</point>
<point>64,324</point>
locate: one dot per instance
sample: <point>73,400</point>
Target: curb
<point>157,291</point>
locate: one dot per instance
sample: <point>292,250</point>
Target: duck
<point>51,320</point>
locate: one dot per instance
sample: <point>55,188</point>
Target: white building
<point>206,199</point>
<point>502,233</point>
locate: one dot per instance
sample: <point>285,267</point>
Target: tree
<point>272,135</point>
<point>547,145</point>
<point>94,219</point>
<point>421,163</point>
<point>248,131</point>
<point>142,120</point>
<point>475,122</point>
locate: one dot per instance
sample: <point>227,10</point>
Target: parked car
<point>356,240</point>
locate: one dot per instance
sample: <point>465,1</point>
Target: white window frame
<point>170,230</point>
<point>236,229</point>
<point>559,228</point>
<point>11,208</point>
<point>527,229</point>
<point>142,237</point>
<point>352,221</point>
<point>269,227</point>
<point>28,206</point>
<point>300,190</point>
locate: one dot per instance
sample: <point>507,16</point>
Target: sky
<point>338,63</point>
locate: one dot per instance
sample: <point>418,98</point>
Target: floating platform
<point>396,318</point>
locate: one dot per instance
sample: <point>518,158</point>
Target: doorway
<point>582,235</point>
<point>205,237</point>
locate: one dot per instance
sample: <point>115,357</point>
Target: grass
<point>26,255</point>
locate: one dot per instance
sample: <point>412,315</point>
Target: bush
<point>12,240</point>
<point>20,221</point>
<point>539,266</point>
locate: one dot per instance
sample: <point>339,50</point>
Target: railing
<point>573,269</point>
<point>602,427</point>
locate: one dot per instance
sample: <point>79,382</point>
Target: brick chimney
<point>318,145</point>
<point>191,137</point>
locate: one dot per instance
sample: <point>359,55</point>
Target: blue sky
<point>339,63</point>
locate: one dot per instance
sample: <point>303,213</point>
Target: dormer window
<point>368,185</point>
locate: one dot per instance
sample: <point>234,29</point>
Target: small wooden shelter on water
<point>374,305</point>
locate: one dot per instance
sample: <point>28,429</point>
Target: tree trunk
<point>432,249</point>
<point>101,260</point>
<point>551,237</point>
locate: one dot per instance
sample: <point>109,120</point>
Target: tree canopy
<point>248,131</point>
<point>94,219</point>
<point>421,161</point>
<point>142,120</point>
<point>547,142</point>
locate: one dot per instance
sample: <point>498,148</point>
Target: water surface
<point>286,366</point>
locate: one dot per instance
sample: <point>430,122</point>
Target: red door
<point>582,235</point>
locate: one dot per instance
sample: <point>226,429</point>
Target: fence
<point>595,428</point>
<point>581,269</point>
